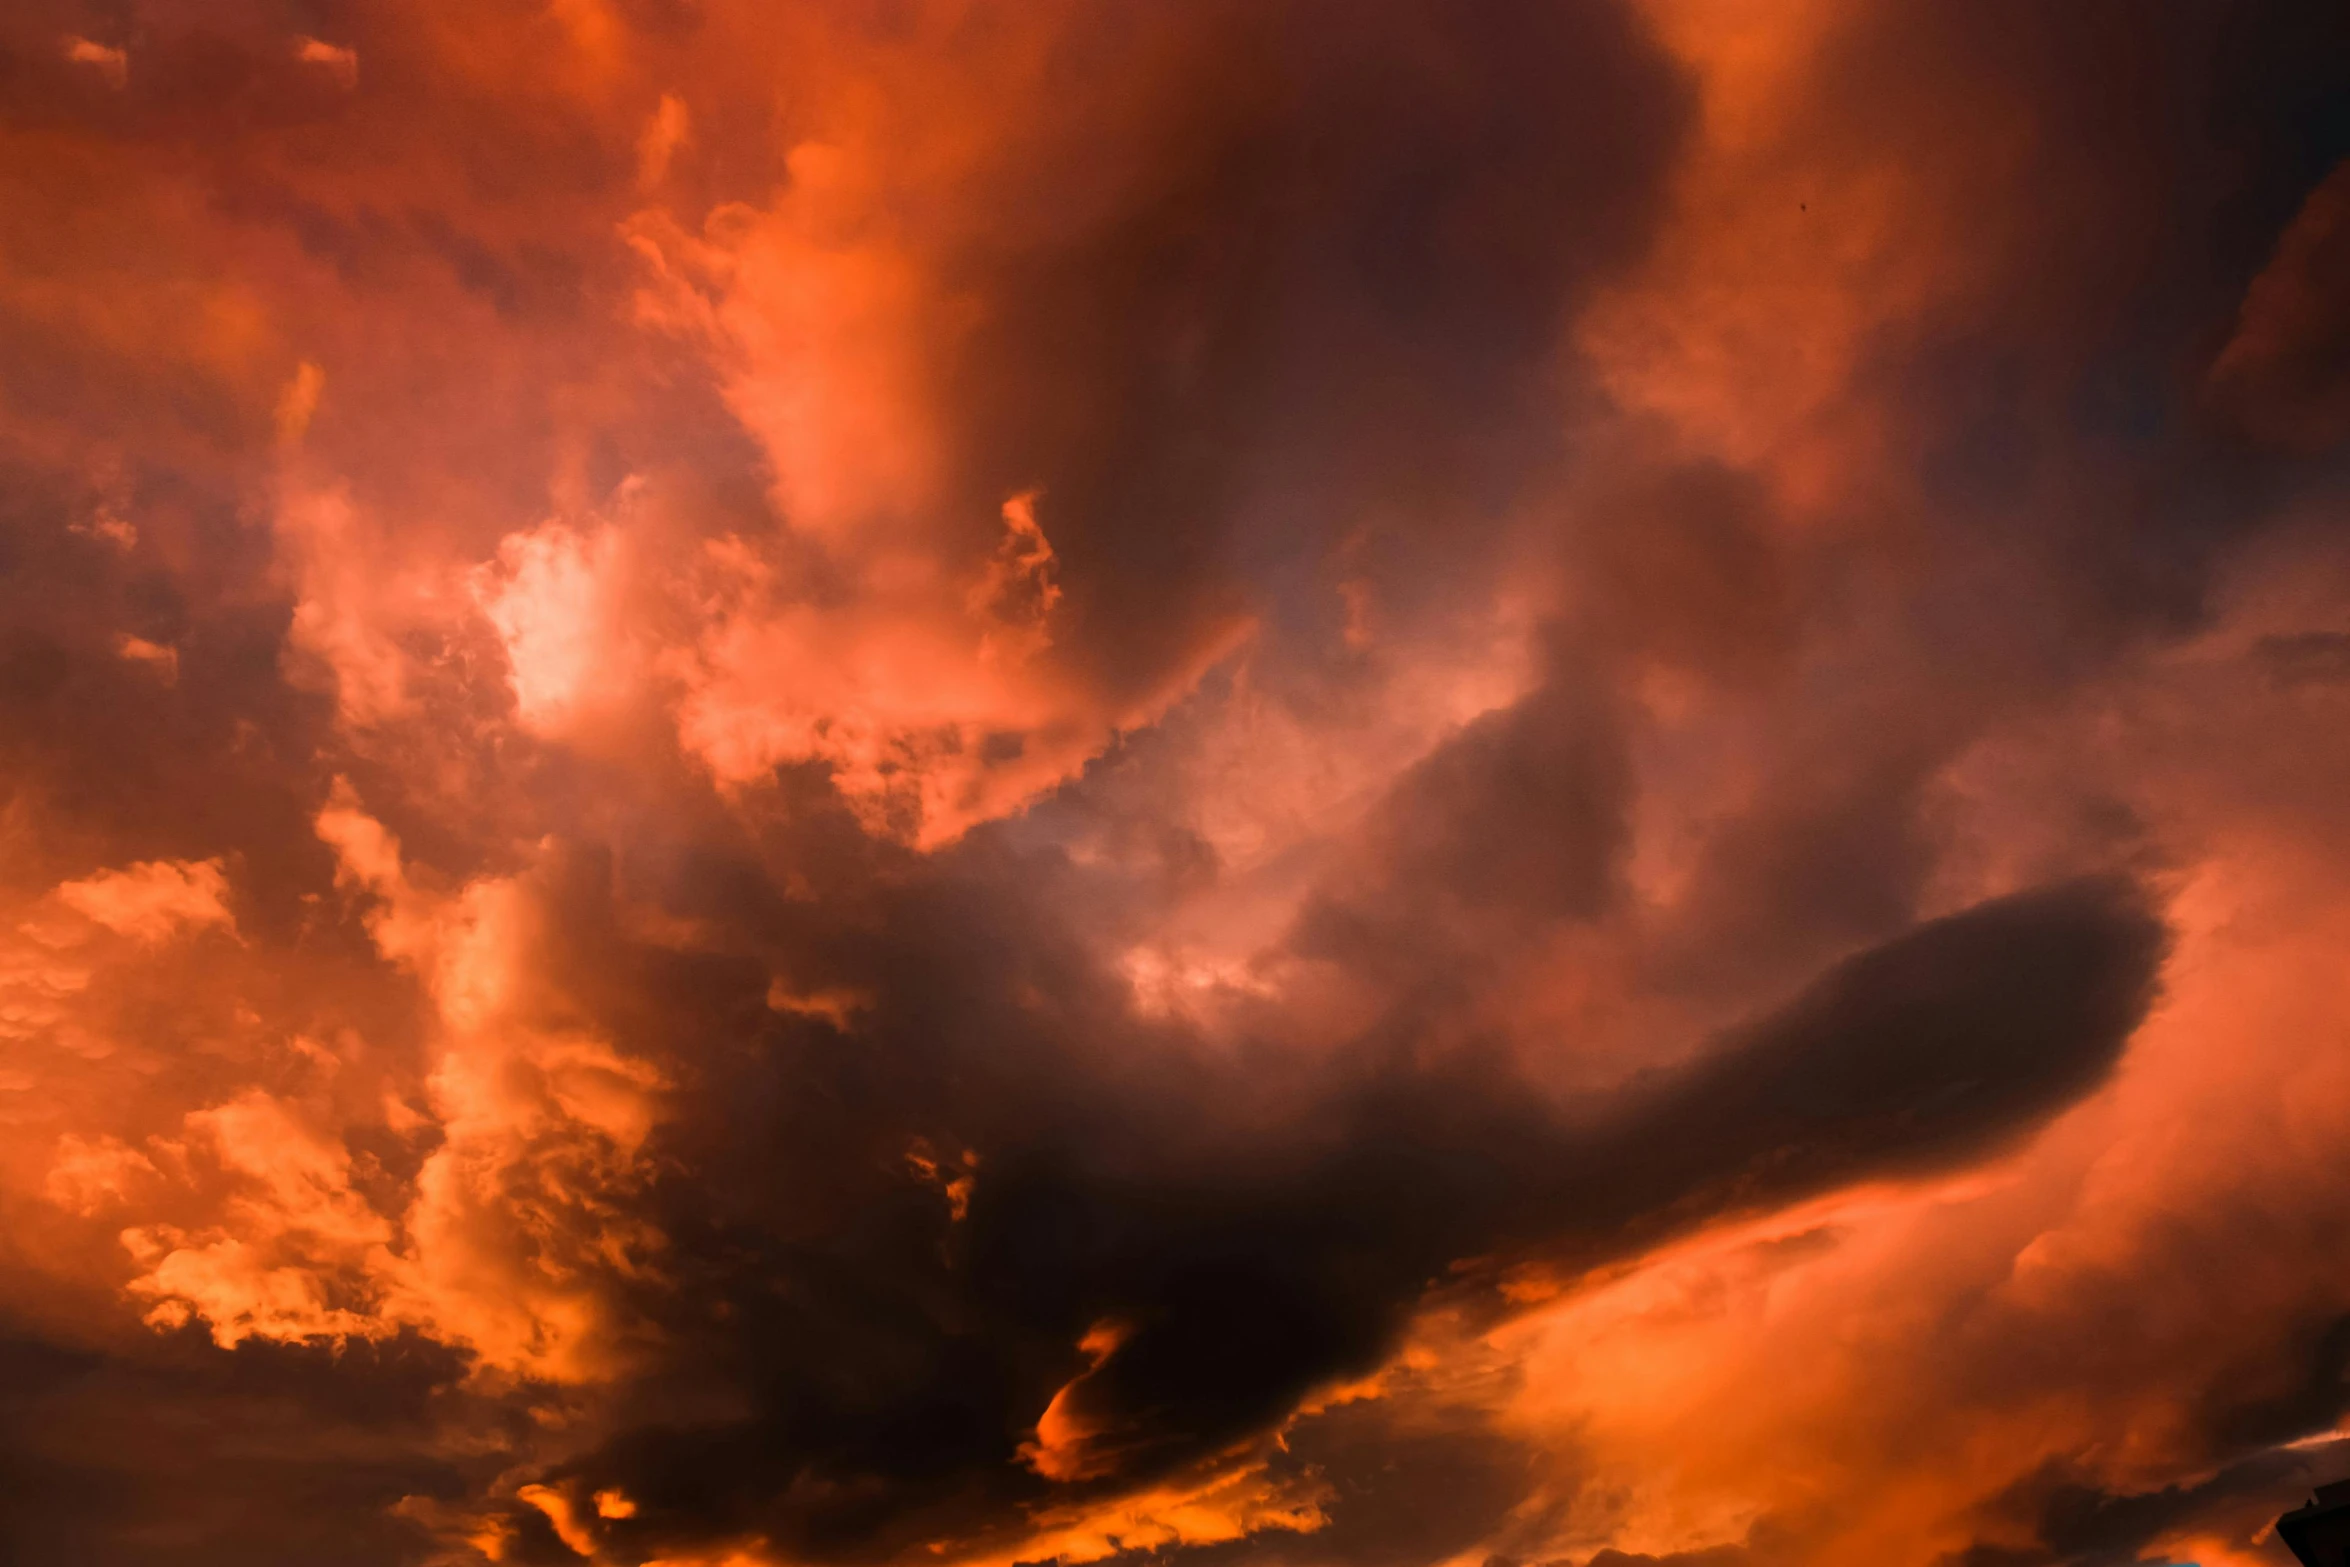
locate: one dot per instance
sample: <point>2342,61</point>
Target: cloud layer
<point>1367,785</point>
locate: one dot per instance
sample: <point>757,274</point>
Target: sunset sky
<point>1220,783</point>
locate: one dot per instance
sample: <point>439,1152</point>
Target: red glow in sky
<point>1397,784</point>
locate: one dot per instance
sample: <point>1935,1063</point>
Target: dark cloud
<point>1359,234</point>
<point>2286,372</point>
<point>179,1452</point>
<point>866,1368</point>
<point>2079,1525</point>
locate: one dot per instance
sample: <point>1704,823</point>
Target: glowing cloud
<point>1371,784</point>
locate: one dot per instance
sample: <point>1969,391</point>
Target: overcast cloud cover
<point>1347,783</point>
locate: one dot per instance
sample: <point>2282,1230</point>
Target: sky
<point>1345,783</point>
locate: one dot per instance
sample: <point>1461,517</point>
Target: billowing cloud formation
<point>1369,784</point>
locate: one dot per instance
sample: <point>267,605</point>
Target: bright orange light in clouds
<point>1346,785</point>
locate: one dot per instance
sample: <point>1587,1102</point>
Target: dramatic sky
<point>1231,783</point>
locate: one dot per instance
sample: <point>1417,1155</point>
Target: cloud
<point>1342,784</point>
<point>343,63</point>
<point>109,61</point>
<point>2281,371</point>
<point>152,900</point>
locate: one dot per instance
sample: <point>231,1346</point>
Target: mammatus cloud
<point>1373,785</point>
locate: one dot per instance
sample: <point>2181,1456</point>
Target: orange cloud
<point>1364,784</point>
<point>154,900</point>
